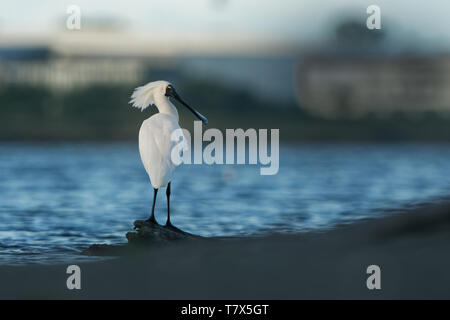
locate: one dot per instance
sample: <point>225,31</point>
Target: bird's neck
<point>165,106</point>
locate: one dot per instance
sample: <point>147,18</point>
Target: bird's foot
<point>173,228</point>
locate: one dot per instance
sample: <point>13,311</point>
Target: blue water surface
<point>57,199</point>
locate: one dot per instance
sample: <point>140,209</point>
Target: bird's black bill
<point>170,92</point>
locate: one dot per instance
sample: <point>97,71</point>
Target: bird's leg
<point>152,217</point>
<point>168,224</point>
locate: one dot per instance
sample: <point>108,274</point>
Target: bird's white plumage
<point>155,144</point>
<point>144,96</point>
<point>155,147</point>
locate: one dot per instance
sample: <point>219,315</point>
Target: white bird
<point>155,143</point>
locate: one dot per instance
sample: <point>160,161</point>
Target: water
<point>56,200</point>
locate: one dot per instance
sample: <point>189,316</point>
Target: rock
<point>146,234</point>
<point>153,233</point>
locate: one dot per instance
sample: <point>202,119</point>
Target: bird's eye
<point>169,87</point>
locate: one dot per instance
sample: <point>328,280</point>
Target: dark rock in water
<point>146,235</point>
<point>153,233</point>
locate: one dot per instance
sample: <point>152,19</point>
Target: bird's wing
<point>155,145</point>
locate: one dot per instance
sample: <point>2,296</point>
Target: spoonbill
<point>155,143</point>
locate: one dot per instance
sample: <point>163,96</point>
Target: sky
<point>290,20</point>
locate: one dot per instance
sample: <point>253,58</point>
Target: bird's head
<point>146,95</point>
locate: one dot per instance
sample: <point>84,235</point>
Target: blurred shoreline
<point>103,114</point>
<point>410,247</point>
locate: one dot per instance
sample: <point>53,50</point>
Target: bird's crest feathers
<point>143,96</point>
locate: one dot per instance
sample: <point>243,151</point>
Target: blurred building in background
<point>345,70</point>
<point>308,63</point>
<point>359,72</point>
<point>72,59</point>
<point>61,73</point>
<point>355,86</point>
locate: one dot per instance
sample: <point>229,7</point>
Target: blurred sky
<point>291,20</point>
